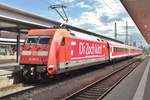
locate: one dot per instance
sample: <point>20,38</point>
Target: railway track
<point>12,89</point>
<point>98,89</point>
<point>29,91</point>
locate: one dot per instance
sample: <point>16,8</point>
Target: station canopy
<point>13,20</point>
<point>18,21</point>
<point>139,10</point>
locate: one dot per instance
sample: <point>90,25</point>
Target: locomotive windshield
<point>38,39</point>
<point>32,39</point>
<point>44,40</point>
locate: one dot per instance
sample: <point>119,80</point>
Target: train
<point>50,52</point>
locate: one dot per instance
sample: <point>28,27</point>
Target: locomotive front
<point>34,53</point>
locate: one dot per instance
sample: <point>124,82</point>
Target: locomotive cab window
<point>32,40</point>
<point>38,39</point>
<point>44,39</point>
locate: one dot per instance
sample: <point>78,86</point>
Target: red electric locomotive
<point>54,51</point>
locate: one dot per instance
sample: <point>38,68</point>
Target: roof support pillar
<point>18,47</point>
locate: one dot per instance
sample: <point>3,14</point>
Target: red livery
<point>85,49</point>
<point>48,52</point>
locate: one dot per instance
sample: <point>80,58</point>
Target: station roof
<point>16,20</point>
<point>139,10</point>
<point>12,19</point>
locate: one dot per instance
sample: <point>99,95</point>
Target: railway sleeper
<point>97,89</point>
<point>92,94</point>
<point>81,98</point>
<point>88,97</point>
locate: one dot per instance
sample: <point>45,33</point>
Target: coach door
<point>109,50</point>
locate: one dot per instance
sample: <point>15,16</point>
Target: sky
<point>97,16</point>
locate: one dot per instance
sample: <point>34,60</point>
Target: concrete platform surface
<point>7,67</point>
<point>8,64</point>
<point>7,57</point>
<point>136,86</point>
<point>6,71</point>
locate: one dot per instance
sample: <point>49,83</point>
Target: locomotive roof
<point>42,31</point>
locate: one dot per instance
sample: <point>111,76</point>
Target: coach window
<point>63,42</point>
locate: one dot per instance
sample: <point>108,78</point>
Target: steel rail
<point>86,90</point>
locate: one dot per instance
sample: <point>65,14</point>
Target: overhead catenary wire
<point>108,6</point>
<point>113,11</point>
<point>62,1</point>
<point>116,34</point>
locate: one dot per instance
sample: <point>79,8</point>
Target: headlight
<point>26,53</point>
<point>42,53</point>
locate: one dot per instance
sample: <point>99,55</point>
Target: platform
<point>6,63</point>
<point>7,67</point>
<point>6,71</point>
<point>7,59</point>
<point>136,86</point>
